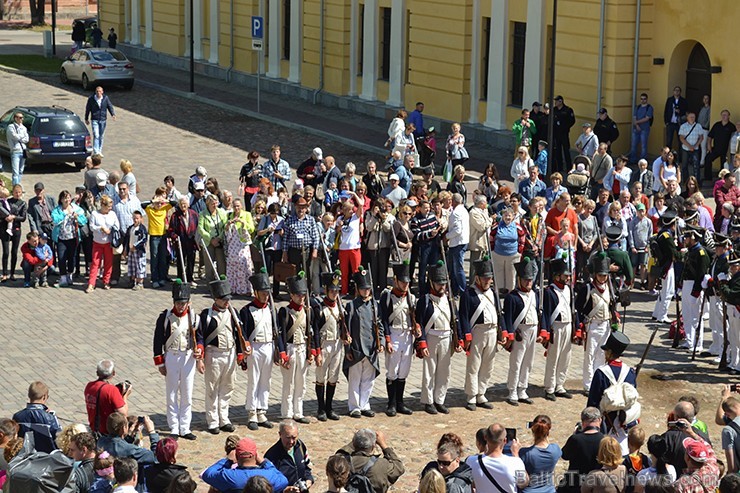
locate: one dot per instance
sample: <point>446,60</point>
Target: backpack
<point>358,481</point>
<point>620,395</point>
<point>654,247</point>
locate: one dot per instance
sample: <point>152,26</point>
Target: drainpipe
<point>231,41</point>
<point>600,70</point>
<point>635,60</point>
<point>321,55</point>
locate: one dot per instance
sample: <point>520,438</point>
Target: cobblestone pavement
<point>58,335</point>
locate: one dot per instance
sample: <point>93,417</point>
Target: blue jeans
<point>691,163</point>
<point>98,130</point>
<point>158,258</point>
<point>639,138</point>
<point>17,164</point>
<point>457,271</point>
<point>428,255</point>
<point>27,269</point>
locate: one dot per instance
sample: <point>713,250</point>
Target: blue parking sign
<point>258,29</point>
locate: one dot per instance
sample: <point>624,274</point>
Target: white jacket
<point>17,137</point>
<point>458,231</point>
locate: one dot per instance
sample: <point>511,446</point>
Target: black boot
<point>400,389</point>
<point>390,386</point>
<point>320,399</point>
<point>330,388</point>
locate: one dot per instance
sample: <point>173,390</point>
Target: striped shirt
<point>424,228</point>
<point>125,210</point>
<point>298,233</point>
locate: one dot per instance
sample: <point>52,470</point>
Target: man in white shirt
<point>495,472</point>
<point>691,136</point>
<point>657,164</point>
<point>458,233</point>
<point>587,142</point>
<point>126,471</point>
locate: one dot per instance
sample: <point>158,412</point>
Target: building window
<point>486,51</point>
<point>385,44</point>
<point>286,29</point>
<point>517,63</point>
<point>361,39</point>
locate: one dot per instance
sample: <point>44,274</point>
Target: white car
<point>97,66</point>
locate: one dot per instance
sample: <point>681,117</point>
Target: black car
<point>56,135</point>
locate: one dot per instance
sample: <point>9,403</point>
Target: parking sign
<point>257,27</point>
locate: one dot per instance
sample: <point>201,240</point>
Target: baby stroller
<point>427,147</point>
<point>578,180</point>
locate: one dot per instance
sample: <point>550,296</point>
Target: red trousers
<point>349,261</point>
<point>104,252</point>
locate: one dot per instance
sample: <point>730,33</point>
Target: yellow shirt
<point>157,217</point>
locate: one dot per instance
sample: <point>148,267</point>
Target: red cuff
<point>388,339</point>
<point>468,337</point>
<point>159,360</point>
<point>239,357</point>
<point>202,350</point>
<point>315,352</point>
<point>422,345</point>
<point>284,357</point>
<point>545,334</point>
<point>579,334</point>
<point>509,336</point>
<point>461,343</point>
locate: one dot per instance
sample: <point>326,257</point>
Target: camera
<point>678,424</point>
<point>124,387</point>
<point>734,387</point>
<point>140,420</point>
<point>301,485</point>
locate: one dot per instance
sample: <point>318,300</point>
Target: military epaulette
<point>666,234</point>
<point>702,251</point>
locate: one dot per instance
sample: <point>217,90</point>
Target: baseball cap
<point>602,110</point>
<point>344,195</point>
<point>101,178</point>
<point>586,125</point>
<point>724,172</point>
<point>640,206</point>
<point>318,153</point>
<point>246,446</point>
<point>558,98</point>
<point>696,449</point>
<point>536,103</point>
<point>43,236</point>
<point>38,186</point>
<point>411,203</point>
<point>394,177</point>
<point>199,185</point>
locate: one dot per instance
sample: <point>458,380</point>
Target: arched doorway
<point>698,77</point>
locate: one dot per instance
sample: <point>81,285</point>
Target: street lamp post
<point>551,116</point>
<point>53,27</point>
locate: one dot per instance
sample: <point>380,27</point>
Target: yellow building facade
<point>473,61</point>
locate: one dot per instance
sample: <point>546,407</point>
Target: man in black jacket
<point>564,119</point>
<point>606,129</point>
<point>97,109</point>
<point>674,115</point>
<point>82,449</point>
<point>290,457</point>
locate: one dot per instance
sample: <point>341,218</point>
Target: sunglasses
<point>445,463</point>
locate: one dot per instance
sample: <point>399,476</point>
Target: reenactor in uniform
<point>397,316</point>
<point>719,266</point>
<point>479,323</point>
<point>617,256</point>
<point>557,318</point>
<point>176,355</point>
<point>521,319</point>
<point>295,356</point>
<point>666,255</point>
<point>691,218</point>
<point>593,310</point>
<point>695,267</point>
<point>731,292</point>
<point>434,314</point>
<point>218,332</point>
<point>258,325</point>
<point>734,230</point>
<point>361,366</point>
<point>330,335</point>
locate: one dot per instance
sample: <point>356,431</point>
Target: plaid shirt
<point>282,167</point>
<point>707,475</point>
<point>298,233</point>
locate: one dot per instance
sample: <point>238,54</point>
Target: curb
<point>29,73</point>
<point>259,116</point>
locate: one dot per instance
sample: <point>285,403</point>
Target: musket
<point>395,246</point>
<point>246,347</point>
<point>679,323</point>
<point>376,327</point>
<point>725,342</point>
<point>306,302</point>
<point>645,352</point>
<point>453,316</point>
<point>191,319</point>
<point>275,331</point>
<point>698,328</point>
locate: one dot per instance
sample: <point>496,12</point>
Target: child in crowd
<point>565,244</point>
<point>104,480</point>
<point>635,461</point>
<point>349,175</point>
<point>541,160</point>
<point>328,235</point>
<point>640,229</point>
<point>136,247</point>
<point>46,257</point>
<point>645,178</point>
<point>331,196</point>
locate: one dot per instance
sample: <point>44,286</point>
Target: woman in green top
<point>212,228</point>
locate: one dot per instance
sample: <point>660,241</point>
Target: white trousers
<point>398,363</point>
<point>715,323</point>
<point>259,373</point>
<point>360,382</point>
<point>220,377</point>
<point>558,357</point>
<point>435,375</point>
<point>332,353</point>
<point>294,382</point>
<point>663,303</point>
<point>180,366</point>
<point>521,359</point>
<point>598,333</point>
<point>479,364</point>
<point>692,320</point>
<point>733,338</point>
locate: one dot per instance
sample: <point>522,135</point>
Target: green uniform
<point>666,251</point>
<point>696,265</point>
<point>622,260</point>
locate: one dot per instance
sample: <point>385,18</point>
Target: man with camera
<point>102,398</point>
<point>230,474</point>
<point>118,442</point>
<point>494,471</point>
<point>290,457</point>
<point>581,450</point>
<point>383,469</point>
<point>682,413</point>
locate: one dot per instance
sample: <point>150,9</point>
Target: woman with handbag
<point>102,225</point>
<point>67,219</point>
<point>13,212</point>
<point>183,226</point>
<point>238,238</point>
<point>249,177</point>
<point>456,152</point>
